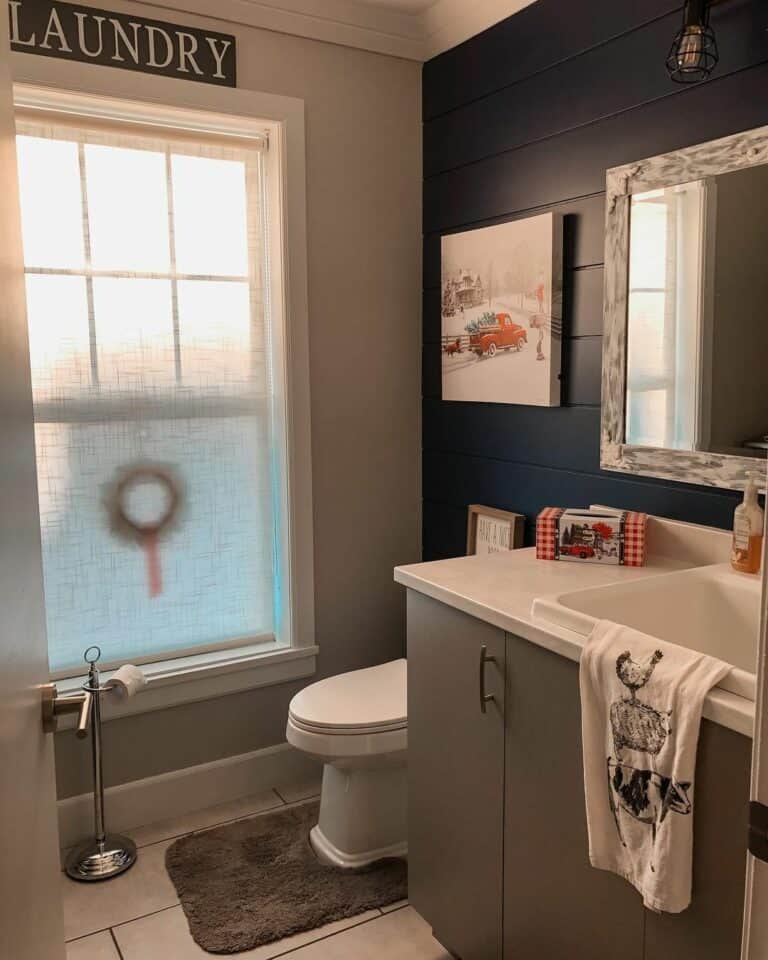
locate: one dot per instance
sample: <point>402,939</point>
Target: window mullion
<point>94,355</point>
<point>174,278</point>
<point>133,274</point>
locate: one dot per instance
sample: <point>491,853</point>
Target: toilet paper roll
<point>126,681</point>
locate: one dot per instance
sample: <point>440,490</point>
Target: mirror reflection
<point>697,312</point>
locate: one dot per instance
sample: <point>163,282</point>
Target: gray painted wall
<point>363,113</point>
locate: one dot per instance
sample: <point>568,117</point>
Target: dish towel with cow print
<point>641,703</point>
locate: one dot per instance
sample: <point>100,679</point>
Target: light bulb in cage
<point>693,55</point>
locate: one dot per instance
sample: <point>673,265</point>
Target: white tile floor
<point>138,917</point>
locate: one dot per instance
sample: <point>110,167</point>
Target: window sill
<point>202,676</point>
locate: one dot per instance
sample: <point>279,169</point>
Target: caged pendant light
<point>693,55</point>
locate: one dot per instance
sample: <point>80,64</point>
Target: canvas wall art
<point>501,305</point>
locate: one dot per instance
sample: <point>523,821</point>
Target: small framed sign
<point>53,28</point>
<point>493,531</point>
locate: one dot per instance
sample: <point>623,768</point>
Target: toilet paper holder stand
<point>106,855</point>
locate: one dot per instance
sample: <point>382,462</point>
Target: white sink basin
<point>711,609</point>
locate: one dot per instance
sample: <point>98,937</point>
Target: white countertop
<point>500,589</point>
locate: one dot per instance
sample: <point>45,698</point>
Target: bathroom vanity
<point>497,827</point>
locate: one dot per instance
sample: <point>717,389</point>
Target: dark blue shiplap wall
<point>525,118</point>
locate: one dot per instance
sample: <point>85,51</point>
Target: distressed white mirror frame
<point>669,169</point>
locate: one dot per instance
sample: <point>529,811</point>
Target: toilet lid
<point>370,698</point>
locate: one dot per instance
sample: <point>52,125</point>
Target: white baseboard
<point>174,794</point>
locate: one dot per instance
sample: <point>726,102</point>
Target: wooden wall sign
<point>53,29</point>
<point>493,531</point>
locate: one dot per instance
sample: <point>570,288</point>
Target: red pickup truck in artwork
<point>505,334</point>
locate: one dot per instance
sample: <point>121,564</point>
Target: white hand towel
<point>641,703</point>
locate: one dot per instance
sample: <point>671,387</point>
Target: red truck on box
<point>581,550</point>
<point>505,335</point>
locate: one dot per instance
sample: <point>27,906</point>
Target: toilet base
<point>330,854</point>
<point>363,814</point>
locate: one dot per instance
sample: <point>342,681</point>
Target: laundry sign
<point>70,32</point>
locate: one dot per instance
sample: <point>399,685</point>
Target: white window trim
<point>202,676</point>
<point>48,84</point>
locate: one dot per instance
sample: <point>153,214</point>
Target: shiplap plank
<point>541,436</point>
<point>532,40</point>
<point>582,371</point>
<point>574,164</point>
<point>583,302</point>
<point>444,531</point>
<point>584,88</point>
<point>431,371</point>
<point>430,314</point>
<point>583,233</point>
<point>456,479</point>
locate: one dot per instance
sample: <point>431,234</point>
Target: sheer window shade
<point>145,266</point>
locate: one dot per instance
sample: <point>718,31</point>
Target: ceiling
<point>407,6</point>
<point>448,23</point>
<point>414,29</point>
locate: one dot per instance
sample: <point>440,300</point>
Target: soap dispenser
<point>748,531</point>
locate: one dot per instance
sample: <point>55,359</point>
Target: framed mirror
<point>685,346</point>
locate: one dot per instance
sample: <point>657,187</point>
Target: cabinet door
<point>710,929</point>
<point>455,777</point>
<point>555,903</point>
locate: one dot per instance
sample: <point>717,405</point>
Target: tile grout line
<point>329,936</point>
<point>152,913</point>
<point>300,946</point>
<point>250,816</point>
<point>117,945</point>
<point>395,909</point>
<point>221,823</point>
<point>122,923</point>
<point>281,802</point>
<point>278,806</point>
<point>84,936</point>
<point>212,826</point>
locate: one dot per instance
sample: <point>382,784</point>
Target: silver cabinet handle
<point>485,698</point>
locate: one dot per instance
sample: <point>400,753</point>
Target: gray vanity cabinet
<point>710,929</point>
<point>456,777</point>
<point>497,831</point>
<point>556,904</point>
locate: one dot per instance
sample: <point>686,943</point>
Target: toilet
<point>357,725</point>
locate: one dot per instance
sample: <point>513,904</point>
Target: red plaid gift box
<point>546,533</point>
<point>634,538</point>
<point>592,536</point>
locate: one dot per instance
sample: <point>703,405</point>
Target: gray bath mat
<point>258,880</point>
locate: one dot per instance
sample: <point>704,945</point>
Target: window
<point>150,342</point>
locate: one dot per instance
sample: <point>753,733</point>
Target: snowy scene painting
<point>501,310</point>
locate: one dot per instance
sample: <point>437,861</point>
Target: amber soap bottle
<point>748,523</point>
